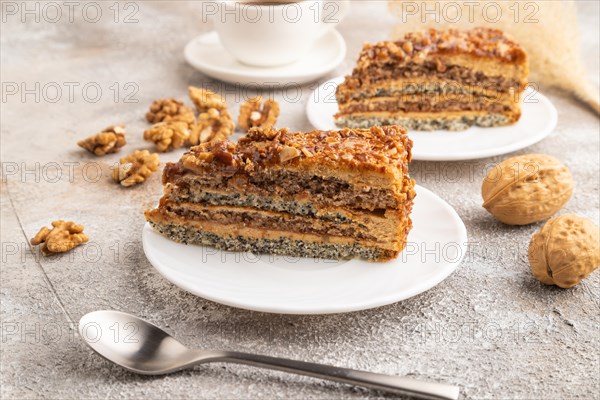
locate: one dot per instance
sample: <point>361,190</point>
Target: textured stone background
<point>490,327</point>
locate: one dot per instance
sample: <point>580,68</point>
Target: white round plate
<point>206,53</point>
<point>288,285</point>
<point>538,120</point>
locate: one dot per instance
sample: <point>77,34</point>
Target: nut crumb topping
<point>416,46</point>
<point>135,168</point>
<point>378,149</point>
<point>287,153</point>
<point>364,148</point>
<point>64,236</point>
<point>110,140</point>
<point>256,114</point>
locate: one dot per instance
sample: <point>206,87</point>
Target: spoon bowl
<point>144,348</point>
<point>133,343</point>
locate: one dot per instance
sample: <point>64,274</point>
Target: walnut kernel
<point>170,110</point>
<point>135,168</point>
<point>168,135</point>
<point>212,125</point>
<point>110,140</point>
<point>255,114</point>
<point>64,236</point>
<point>204,99</point>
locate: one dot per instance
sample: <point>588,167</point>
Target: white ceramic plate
<point>206,54</point>
<point>436,246</point>
<point>537,121</point>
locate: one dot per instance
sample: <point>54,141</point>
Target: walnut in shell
<point>110,140</point>
<point>64,236</point>
<point>526,189</point>
<point>168,136</point>
<point>255,114</point>
<point>565,251</point>
<point>135,168</point>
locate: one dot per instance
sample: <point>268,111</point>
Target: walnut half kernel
<point>64,236</point>
<point>205,99</point>
<point>135,168</point>
<point>176,125</point>
<point>170,110</point>
<point>256,114</point>
<point>168,136</point>
<point>110,140</point>
<point>213,125</point>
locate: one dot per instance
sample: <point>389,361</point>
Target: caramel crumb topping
<point>416,46</point>
<point>378,149</point>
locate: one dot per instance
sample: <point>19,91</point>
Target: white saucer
<point>538,120</point>
<point>206,54</point>
<point>436,246</point>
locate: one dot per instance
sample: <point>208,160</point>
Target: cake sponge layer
<point>427,123</point>
<point>384,233</point>
<point>282,246</point>
<point>293,186</point>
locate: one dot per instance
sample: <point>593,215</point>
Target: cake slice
<point>436,80</point>
<point>327,194</point>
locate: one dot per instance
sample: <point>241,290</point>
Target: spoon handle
<point>389,383</point>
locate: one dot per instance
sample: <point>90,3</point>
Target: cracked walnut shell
<point>64,236</point>
<point>255,114</point>
<point>110,140</point>
<point>135,168</point>
<point>565,251</point>
<point>526,189</point>
<point>168,136</point>
<point>170,110</point>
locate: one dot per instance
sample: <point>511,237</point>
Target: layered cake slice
<point>436,80</point>
<point>327,194</point>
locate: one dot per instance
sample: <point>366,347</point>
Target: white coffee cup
<point>268,34</point>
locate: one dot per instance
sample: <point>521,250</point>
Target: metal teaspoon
<point>148,350</point>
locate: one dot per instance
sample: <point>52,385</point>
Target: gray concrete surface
<point>490,327</point>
